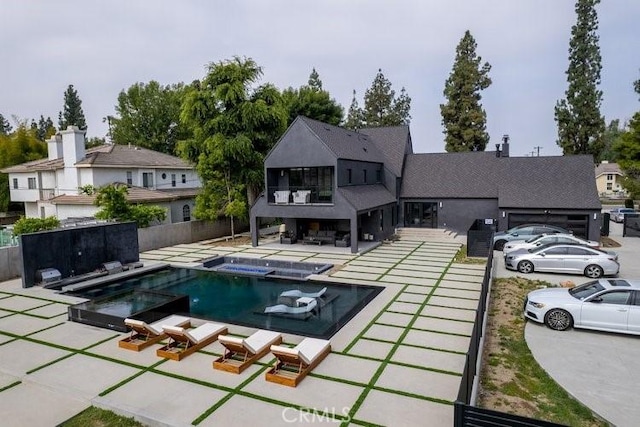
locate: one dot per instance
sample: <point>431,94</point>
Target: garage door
<point>578,224</point>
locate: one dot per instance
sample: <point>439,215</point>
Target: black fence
<point>480,237</point>
<point>466,414</point>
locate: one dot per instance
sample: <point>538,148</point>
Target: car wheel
<point>593,271</point>
<point>499,245</point>
<point>559,320</point>
<point>525,267</point>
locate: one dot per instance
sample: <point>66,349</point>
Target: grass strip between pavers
<point>13,384</point>
<point>395,346</point>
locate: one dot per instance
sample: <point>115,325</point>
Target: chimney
<point>497,150</point>
<point>72,145</point>
<point>54,147</point>
<point>505,146</point>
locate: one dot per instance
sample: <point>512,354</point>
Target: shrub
<point>31,225</point>
<point>628,203</point>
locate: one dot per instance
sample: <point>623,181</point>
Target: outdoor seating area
<point>301,196</point>
<point>294,364</point>
<point>143,334</point>
<point>240,353</point>
<point>320,237</point>
<point>183,342</point>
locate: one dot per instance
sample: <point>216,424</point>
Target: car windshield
<point>585,290</point>
<point>534,238</point>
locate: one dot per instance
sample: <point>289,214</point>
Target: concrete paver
<point>375,349</point>
<point>449,313</point>
<point>388,409</point>
<point>420,382</point>
<point>443,325</point>
<point>21,324</point>
<point>396,319</point>
<point>14,362</point>
<point>437,340</point>
<point>427,358</point>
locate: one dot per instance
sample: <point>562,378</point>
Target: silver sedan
<point>571,259</point>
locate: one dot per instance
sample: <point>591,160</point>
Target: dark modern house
<point>341,186</point>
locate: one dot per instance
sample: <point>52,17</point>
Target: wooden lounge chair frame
<point>180,346</point>
<point>237,357</point>
<point>142,337</point>
<point>289,370</point>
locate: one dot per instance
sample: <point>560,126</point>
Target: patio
<point>403,352</point>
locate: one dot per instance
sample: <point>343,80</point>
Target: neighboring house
<point>608,180</point>
<point>369,182</point>
<point>51,186</point>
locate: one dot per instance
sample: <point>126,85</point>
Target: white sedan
<point>611,305</point>
<point>544,239</point>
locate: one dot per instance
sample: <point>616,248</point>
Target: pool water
<point>241,300</point>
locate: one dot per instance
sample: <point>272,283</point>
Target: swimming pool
<point>241,300</point>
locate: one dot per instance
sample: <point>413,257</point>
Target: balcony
<point>303,195</point>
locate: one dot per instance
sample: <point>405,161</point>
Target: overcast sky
<point>104,47</point>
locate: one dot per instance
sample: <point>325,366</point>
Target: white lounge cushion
<point>259,340</point>
<point>227,339</point>
<point>284,350</point>
<point>173,320</point>
<point>310,348</point>
<point>197,335</point>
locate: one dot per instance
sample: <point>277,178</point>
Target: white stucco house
<point>51,186</point>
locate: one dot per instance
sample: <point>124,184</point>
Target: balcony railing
<point>300,195</point>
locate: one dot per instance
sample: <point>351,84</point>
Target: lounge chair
<point>183,342</point>
<point>144,334</point>
<point>240,353</point>
<point>303,305</point>
<point>297,293</point>
<point>294,364</point>
<point>282,196</point>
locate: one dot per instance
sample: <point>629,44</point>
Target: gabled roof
<point>530,182</point>
<point>345,143</point>
<point>607,168</point>
<point>364,197</point>
<point>394,142</point>
<point>119,156</point>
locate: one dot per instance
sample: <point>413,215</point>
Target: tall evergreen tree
<point>72,114</point>
<point>580,124</point>
<point>313,102</point>
<point>463,118</point>
<point>314,80</point>
<point>5,126</point>
<point>355,117</point>
<point>43,128</point>
<point>234,127</point>
<point>382,108</point>
<point>627,150</point>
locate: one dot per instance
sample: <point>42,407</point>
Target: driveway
<point>597,368</point>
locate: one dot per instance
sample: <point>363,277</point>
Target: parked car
<point>545,239</point>
<point>617,214</point>
<point>605,305</point>
<point>523,232</point>
<point>563,258</point>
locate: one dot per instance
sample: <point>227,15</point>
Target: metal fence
<point>466,414</point>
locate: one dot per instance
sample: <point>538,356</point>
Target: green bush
<point>31,225</point>
<point>628,203</point>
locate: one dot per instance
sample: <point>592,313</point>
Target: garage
<point>578,224</point>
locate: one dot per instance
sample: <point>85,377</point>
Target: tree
<point>313,102</point>
<point>18,147</point>
<point>612,133</point>
<point>355,116</point>
<point>72,114</point>
<point>5,126</point>
<point>627,150</point>
<point>234,127</point>
<point>463,118</point>
<point>580,124</point>
<point>113,201</point>
<point>382,108</point>
<point>44,129</point>
<point>149,117</point>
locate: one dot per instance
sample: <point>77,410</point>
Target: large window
<point>147,180</point>
<point>32,183</point>
<point>318,180</point>
<point>173,179</point>
<point>129,178</point>
<point>15,183</point>
<point>186,213</point>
